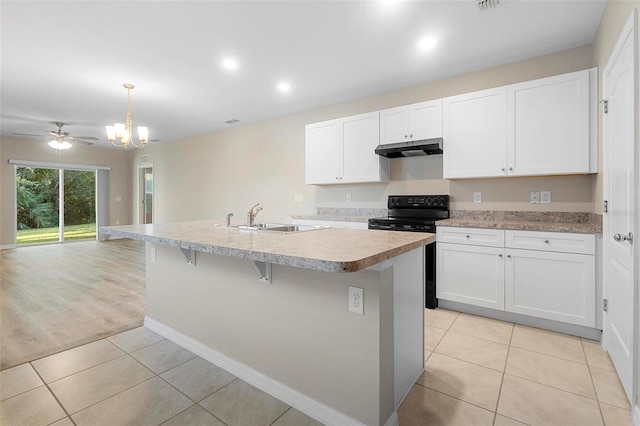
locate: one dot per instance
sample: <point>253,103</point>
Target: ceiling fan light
<point>111,133</point>
<point>143,134</point>
<point>59,145</point>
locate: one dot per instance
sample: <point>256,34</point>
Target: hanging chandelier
<point>123,133</point>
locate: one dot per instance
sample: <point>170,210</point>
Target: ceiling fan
<point>61,140</point>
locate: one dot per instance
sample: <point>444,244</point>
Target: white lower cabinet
<point>470,274</point>
<point>556,280</point>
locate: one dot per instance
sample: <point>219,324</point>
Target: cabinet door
<point>361,136</point>
<point>394,125</point>
<point>425,120</point>
<point>470,274</point>
<point>323,152</point>
<point>549,125</point>
<point>556,286</point>
<point>475,134</point>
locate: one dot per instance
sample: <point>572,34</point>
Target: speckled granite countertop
<point>330,249</point>
<point>581,223</point>
<point>338,214</point>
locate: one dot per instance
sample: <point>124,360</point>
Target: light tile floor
<point>478,371</point>
<point>135,378</point>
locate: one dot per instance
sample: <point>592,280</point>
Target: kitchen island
<point>273,309</point>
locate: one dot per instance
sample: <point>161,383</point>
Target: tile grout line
<point>503,373</point>
<point>593,384</point>
<point>117,393</point>
<point>54,397</point>
<point>281,415</point>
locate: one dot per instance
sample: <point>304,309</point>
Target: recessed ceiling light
<point>284,87</point>
<point>427,43</point>
<point>390,3</point>
<point>230,63</point>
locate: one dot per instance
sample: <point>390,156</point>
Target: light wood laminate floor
<point>59,296</point>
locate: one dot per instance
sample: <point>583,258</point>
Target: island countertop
<point>328,249</point>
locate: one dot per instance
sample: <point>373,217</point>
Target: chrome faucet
<point>251,215</point>
<point>229,219</point>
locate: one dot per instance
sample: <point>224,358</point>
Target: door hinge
<point>605,305</point>
<point>605,104</point>
<point>605,206</point>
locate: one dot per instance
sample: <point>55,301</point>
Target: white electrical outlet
<point>298,198</point>
<point>356,300</point>
<point>117,222</point>
<point>153,254</point>
<point>348,198</point>
<point>118,198</point>
<point>534,197</point>
<point>545,197</point>
<point>477,197</point>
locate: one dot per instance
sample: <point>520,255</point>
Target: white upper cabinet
<point>411,122</point>
<point>323,142</point>
<point>475,134</point>
<point>342,151</point>
<point>539,127</point>
<point>549,125</point>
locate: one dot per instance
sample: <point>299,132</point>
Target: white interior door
<point>620,175</point>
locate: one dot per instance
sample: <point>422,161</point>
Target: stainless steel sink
<point>280,227</point>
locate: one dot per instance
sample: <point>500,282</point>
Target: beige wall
<point>24,149</point>
<point>229,171</point>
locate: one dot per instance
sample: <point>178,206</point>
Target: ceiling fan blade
<point>82,142</point>
<point>28,134</point>
<point>87,138</point>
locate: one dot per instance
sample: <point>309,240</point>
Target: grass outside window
<point>42,235</point>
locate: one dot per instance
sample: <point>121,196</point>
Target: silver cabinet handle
<point>508,256</point>
<point>546,241</point>
<point>406,136</point>
<point>410,136</point>
<point>502,169</point>
<point>467,236</point>
<point>500,255</point>
<point>510,169</point>
<point>620,237</point>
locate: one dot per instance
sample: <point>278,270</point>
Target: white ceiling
<point>66,60</point>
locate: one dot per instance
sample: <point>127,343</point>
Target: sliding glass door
<point>55,204</point>
<point>38,205</point>
<point>79,205</point>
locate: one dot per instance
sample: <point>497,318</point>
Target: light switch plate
<point>545,197</point>
<point>477,197</point>
<point>534,197</point>
<point>298,198</point>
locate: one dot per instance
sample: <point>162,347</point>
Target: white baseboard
<point>8,247</point>
<point>309,406</point>
<point>635,416</point>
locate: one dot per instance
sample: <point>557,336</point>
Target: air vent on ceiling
<point>488,4</point>
<point>232,121</point>
<point>144,159</point>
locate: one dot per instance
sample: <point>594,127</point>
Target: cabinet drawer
<point>551,241</point>
<point>470,236</point>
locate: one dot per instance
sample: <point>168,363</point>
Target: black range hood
<point>411,149</point>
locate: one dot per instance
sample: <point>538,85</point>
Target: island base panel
<point>297,330</point>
